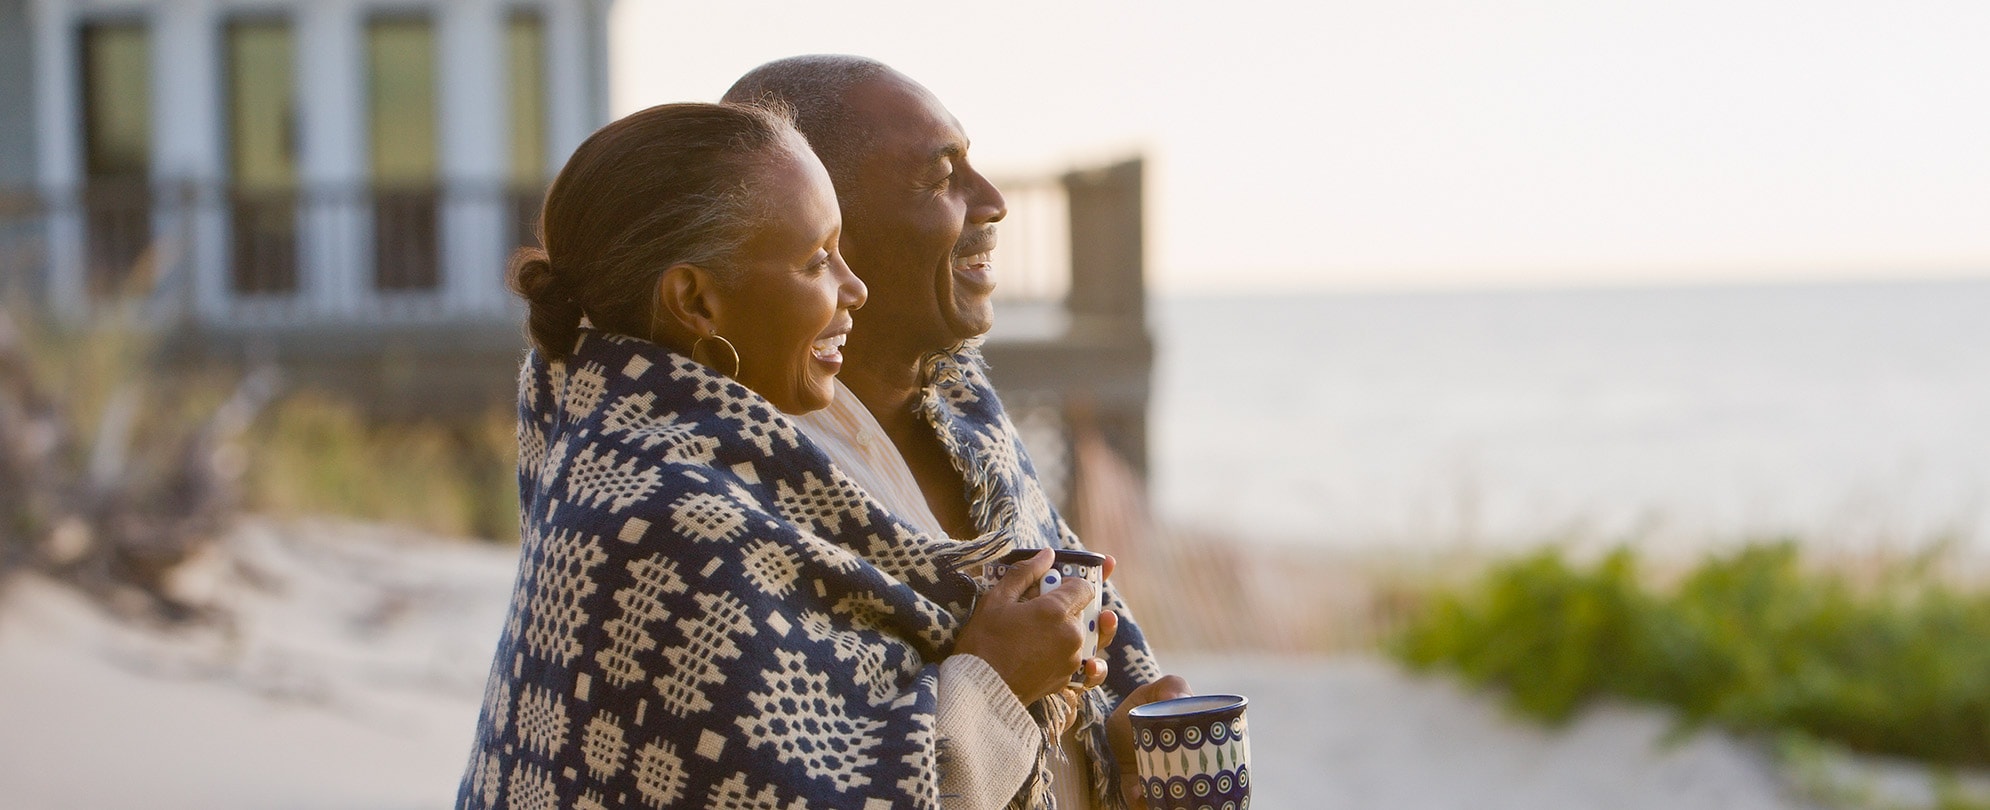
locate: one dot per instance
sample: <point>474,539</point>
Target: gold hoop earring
<point>697,354</point>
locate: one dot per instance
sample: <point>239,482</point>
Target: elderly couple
<point>742,582</point>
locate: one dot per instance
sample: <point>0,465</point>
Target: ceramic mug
<point>1194,753</point>
<point>1070,564</point>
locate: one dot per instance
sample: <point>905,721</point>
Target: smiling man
<point>916,422</point>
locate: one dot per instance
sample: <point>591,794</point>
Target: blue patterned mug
<point>1070,564</point>
<point>1194,753</point>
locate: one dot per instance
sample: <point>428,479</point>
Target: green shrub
<point>1883,659</point>
<point>316,455</point>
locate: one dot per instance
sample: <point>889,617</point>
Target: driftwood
<point>114,512</point>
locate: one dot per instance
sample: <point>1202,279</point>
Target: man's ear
<point>688,295</point>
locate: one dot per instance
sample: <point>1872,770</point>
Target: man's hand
<point>1119,732</point>
<point>1032,643</point>
<point>1095,668</point>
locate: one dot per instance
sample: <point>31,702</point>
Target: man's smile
<point>972,266</point>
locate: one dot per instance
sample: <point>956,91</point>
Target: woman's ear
<point>687,301</point>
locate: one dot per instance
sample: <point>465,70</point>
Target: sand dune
<point>351,675</point>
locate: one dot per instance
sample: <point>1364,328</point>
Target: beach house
<point>336,185</point>
<point>343,175</point>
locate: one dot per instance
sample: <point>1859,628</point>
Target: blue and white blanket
<point>709,614</point>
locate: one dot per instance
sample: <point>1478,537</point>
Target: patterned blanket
<point>709,614</point>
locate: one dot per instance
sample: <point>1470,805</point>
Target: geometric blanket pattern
<point>709,614</point>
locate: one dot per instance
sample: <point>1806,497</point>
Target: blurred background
<point>1528,404</point>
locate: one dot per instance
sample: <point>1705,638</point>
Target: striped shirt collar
<point>855,442</point>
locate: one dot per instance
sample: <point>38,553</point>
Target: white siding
<point>473,125</point>
<point>190,150</point>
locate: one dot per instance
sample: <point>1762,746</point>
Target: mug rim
<point>1064,556</point>
<point>1159,710</point>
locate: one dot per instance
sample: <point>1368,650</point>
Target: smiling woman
<point>708,612</point>
<point>787,295</point>
<point>685,223</point>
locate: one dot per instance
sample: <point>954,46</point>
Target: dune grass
<point>313,454</point>
<point>1884,656</point>
<point>307,452</point>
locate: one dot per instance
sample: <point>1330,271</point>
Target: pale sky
<point>1440,143</point>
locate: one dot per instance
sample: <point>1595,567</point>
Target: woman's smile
<point>789,314</point>
<point>829,350</point>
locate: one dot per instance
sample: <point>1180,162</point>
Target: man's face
<point>918,222</point>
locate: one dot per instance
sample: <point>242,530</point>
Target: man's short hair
<point>812,89</point>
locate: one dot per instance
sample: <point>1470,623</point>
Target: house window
<point>401,103</point>
<point>525,46</point>
<point>116,63</point>
<point>261,94</point>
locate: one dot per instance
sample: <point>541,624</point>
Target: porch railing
<point>332,274</point>
<point>270,260</point>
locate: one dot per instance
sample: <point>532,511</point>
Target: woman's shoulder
<point>610,378</point>
<point>625,419</point>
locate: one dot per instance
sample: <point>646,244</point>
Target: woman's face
<point>789,311</point>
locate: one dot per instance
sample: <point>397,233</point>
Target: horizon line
<point>1541,285</point>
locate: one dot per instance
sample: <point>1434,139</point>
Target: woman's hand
<point>1032,643</point>
<point>1119,732</point>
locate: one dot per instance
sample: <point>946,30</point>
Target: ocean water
<point>1852,413</point>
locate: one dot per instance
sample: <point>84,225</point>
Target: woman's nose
<point>850,290</point>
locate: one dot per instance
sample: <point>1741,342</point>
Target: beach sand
<point>352,673</point>
<point>1356,731</point>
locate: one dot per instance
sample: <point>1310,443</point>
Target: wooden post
<point>1108,300</point>
<point>1108,250</point>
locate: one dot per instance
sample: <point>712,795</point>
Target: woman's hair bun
<point>533,278</point>
<point>553,323</point>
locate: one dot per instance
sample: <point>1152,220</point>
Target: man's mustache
<point>980,241</point>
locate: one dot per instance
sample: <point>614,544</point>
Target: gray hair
<point>675,183</point>
<point>812,89</point>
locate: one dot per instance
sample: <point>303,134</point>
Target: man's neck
<point>888,385</point>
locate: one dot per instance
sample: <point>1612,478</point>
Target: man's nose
<point>987,205</point>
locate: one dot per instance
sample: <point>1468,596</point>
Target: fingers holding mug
<point>1094,671</point>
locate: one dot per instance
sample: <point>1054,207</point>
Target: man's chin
<point>968,319</point>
